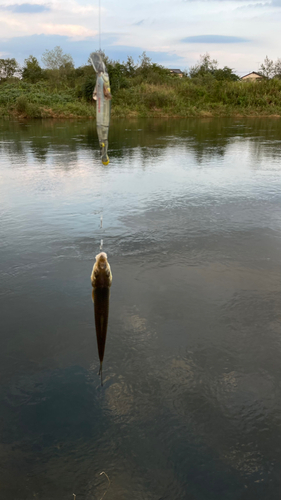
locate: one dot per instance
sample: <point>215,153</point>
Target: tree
<point>143,65</point>
<point>207,68</point>
<point>8,68</point>
<point>56,59</point>
<point>203,66</point>
<point>267,68</point>
<point>32,72</point>
<point>225,73</point>
<point>60,66</point>
<point>277,68</point>
<point>144,61</point>
<point>130,66</point>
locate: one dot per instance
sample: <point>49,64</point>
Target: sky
<point>237,33</point>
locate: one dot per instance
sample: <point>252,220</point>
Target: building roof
<point>253,73</point>
<point>175,70</point>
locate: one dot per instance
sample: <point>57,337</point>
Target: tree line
<point>57,74</point>
<point>59,68</point>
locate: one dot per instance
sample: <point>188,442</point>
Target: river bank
<point>179,98</point>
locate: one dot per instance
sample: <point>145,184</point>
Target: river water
<point>191,402</point>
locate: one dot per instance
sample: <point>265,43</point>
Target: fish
<point>101,279</point>
<point>102,96</point>
<point>101,276</point>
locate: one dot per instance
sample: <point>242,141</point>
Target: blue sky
<point>238,33</point>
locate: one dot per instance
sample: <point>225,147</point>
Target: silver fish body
<point>103,97</point>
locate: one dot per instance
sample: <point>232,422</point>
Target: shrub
<point>22,104</point>
<point>33,111</point>
<point>159,99</point>
<point>88,88</point>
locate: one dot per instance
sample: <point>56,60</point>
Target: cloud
<point>214,39</point>
<point>26,8</point>
<point>71,30</point>
<point>23,46</point>
<point>139,23</point>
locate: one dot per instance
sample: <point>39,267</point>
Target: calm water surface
<point>191,402</point>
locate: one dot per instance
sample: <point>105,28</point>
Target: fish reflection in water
<point>101,279</point>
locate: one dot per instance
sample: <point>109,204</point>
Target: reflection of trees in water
<point>263,150</point>
<point>12,142</point>
<point>206,138</point>
<point>39,148</point>
<point>15,151</point>
<point>41,139</point>
<point>65,159</point>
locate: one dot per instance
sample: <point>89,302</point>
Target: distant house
<point>252,76</point>
<point>176,72</point>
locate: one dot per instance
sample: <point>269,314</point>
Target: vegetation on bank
<point>141,89</point>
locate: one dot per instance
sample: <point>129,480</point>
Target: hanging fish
<point>103,97</point>
<point>101,279</point>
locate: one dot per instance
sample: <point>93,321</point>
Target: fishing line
<point>101,241</point>
<point>101,217</point>
<point>102,207</point>
<point>100,24</point>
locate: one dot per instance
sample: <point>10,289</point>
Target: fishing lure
<point>103,97</point>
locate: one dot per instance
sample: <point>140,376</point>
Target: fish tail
<point>100,373</point>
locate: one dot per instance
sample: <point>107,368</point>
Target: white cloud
<point>71,30</point>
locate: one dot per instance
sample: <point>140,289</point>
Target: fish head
<point>101,260</point>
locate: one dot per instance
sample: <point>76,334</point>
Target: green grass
<point>171,96</point>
